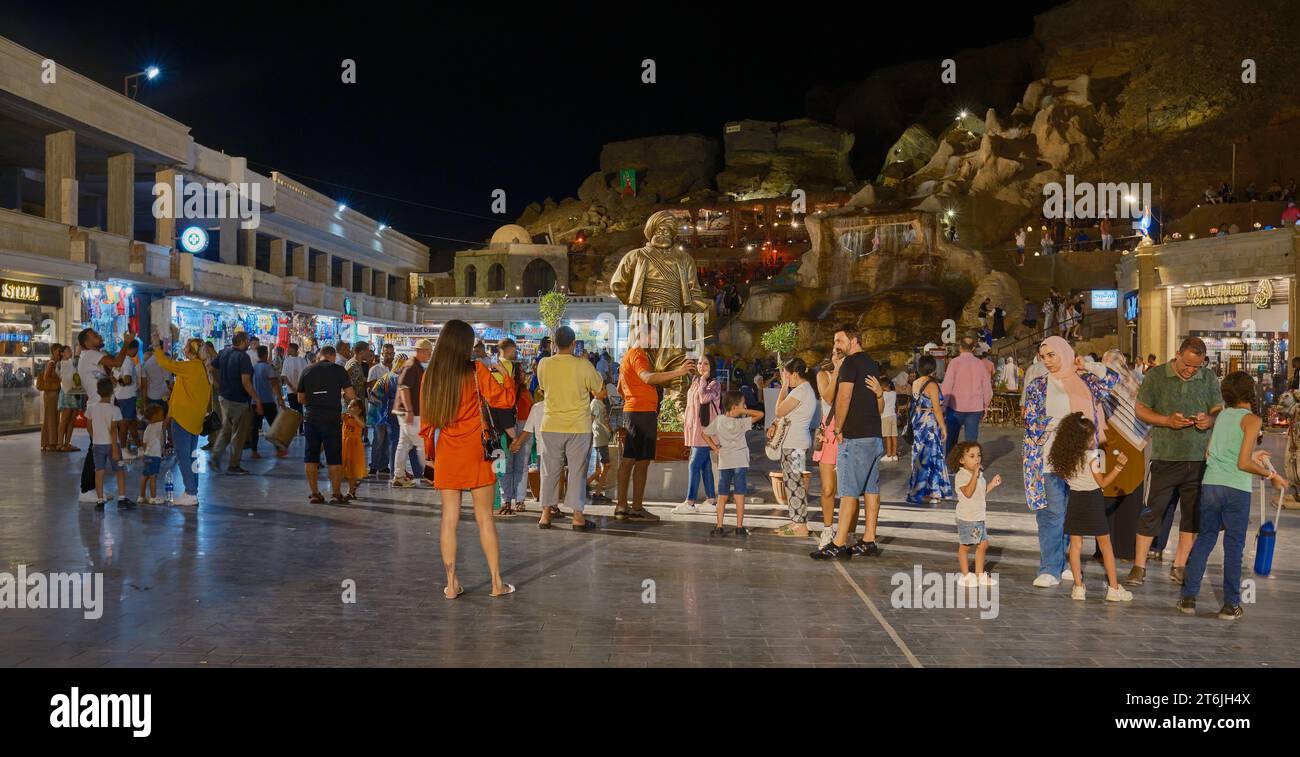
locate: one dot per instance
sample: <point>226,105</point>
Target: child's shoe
<point>987,580</point>
<point>968,580</point>
<point>1080,593</point>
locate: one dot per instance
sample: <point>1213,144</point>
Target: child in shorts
<point>152,451</point>
<point>889,419</point>
<point>726,436</point>
<point>103,418</point>
<point>966,460</point>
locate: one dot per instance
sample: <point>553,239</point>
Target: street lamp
<point>131,83</point>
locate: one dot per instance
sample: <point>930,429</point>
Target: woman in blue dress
<point>929,482</point>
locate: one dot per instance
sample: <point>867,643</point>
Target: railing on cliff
<point>1091,325</point>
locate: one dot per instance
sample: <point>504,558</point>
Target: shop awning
<point>24,263</point>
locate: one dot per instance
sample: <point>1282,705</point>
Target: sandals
<point>459,590</point>
<point>506,511</point>
<point>587,525</point>
<point>510,589</point>
<point>317,499</point>
<point>543,524</point>
<point>338,500</point>
<point>787,530</point>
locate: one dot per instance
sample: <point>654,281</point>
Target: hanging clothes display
<point>111,310</point>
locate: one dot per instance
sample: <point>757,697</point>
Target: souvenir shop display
<point>20,403</point>
<point>111,310</point>
<point>311,332</point>
<point>219,323</point>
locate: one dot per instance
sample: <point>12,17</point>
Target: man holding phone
<point>1179,400</point>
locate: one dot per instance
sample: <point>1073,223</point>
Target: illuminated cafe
<point>1233,292</point>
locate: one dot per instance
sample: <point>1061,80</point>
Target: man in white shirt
<point>253,344</point>
<point>294,365</point>
<point>153,380</point>
<point>127,378</point>
<point>94,364</point>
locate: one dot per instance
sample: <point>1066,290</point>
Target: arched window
<point>471,281</point>
<point>496,278</point>
<point>539,278</point>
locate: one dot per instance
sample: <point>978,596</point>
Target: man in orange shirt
<point>636,382</point>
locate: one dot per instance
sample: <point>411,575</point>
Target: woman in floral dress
<point>929,480</point>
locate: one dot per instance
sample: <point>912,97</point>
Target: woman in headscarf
<point>1010,374</point>
<point>1068,387</point>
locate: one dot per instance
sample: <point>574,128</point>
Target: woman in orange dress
<point>451,416</point>
<point>354,450</point>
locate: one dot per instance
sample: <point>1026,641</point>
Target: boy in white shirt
<point>102,419</point>
<point>532,428</point>
<point>127,377</point>
<point>965,459</point>
<point>726,436</point>
<point>889,420</point>
<point>152,452</point>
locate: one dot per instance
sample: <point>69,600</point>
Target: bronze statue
<point>659,285</point>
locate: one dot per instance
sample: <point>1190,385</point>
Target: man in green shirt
<point>1179,400</point>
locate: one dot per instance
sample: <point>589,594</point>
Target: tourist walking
<point>928,482</point>
<point>968,387</point>
<point>570,383</point>
<point>380,388</point>
<point>294,365</point>
<point>266,386</point>
<point>637,382</point>
<point>1020,248</point>
<point>322,389</point>
<point>235,373</point>
<point>1225,494</point>
<point>191,396</point>
<point>859,398</point>
<point>94,364</point>
<point>702,406</point>
<point>407,409</point>
<point>1065,387</point>
<point>1179,400</point>
<point>796,403</point>
<point>452,394</point>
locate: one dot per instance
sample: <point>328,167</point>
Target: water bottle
<point>169,489</point>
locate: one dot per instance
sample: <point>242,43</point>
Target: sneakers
<point>1118,594</point>
<point>1067,575</point>
<point>718,532</point>
<point>968,580</point>
<point>1187,606</point>
<point>125,503</point>
<point>741,532</point>
<point>404,483</point>
<point>186,500</point>
<point>1178,575</point>
<point>1080,593</point>
<point>865,549</point>
<point>1231,612</point>
<point>641,514</point>
<point>826,537</point>
<point>987,580</point>
<point>686,508</point>
<point>99,504</point>
<point>1046,581</point>
<point>832,552</point>
<point>1136,577</point>
<point>709,507</point>
<point>88,497</point>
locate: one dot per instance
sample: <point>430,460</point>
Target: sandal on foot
<point>459,590</point>
<point>317,499</point>
<point>787,530</point>
<point>506,511</point>
<point>510,589</point>
<point>338,501</point>
<point>543,524</point>
<point>587,525</point>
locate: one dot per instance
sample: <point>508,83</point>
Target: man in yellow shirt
<point>569,383</point>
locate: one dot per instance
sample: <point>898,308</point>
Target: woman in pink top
<point>701,408</point>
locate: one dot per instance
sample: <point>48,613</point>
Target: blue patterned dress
<point>929,469</point>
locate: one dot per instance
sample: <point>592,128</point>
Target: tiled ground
<point>253,578</point>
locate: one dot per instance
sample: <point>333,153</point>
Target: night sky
<point>452,103</point>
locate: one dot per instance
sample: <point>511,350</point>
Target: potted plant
<point>782,337</point>
<point>551,307</point>
<point>671,444</point>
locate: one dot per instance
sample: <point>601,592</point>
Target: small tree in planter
<point>551,309</point>
<point>782,337</point>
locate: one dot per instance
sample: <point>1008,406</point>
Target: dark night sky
<point>451,103</point>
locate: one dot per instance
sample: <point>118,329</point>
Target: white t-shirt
<point>132,390</point>
<point>891,403</point>
<point>970,508</point>
<point>101,416</point>
<point>292,370</point>
<point>377,371</point>
<point>733,447</point>
<point>91,372</point>
<point>252,354</point>
<point>67,369</point>
<point>798,436</point>
<point>153,439</point>
<point>157,375</point>
<point>534,425</point>
<point>1082,480</point>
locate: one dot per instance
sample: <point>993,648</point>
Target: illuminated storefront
<point>218,322</point>
<point>29,314</point>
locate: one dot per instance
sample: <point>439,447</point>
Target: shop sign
<point>526,330</point>
<point>194,239</point>
<point>32,294</point>
<point>1131,306</point>
<point>1105,299</point>
<point>348,307</point>
<point>1259,294</point>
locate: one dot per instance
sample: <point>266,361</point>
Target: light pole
<point>131,82</point>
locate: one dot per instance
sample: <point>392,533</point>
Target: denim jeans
<point>184,443</point>
<point>701,470</point>
<point>1229,508</point>
<point>959,421</point>
<point>1052,539</point>
<point>515,484</point>
<point>380,459</point>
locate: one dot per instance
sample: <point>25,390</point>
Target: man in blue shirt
<point>235,371</point>
<point>266,387</point>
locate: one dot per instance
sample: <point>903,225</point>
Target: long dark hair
<point>1074,437</point>
<point>444,378</point>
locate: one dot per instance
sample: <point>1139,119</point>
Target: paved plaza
<point>255,577</point>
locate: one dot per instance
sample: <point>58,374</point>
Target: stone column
<point>277,257</point>
<point>121,194</point>
<point>228,241</point>
<point>298,257</point>
<point>345,276</point>
<point>165,228</point>
<point>248,247</point>
<point>367,280</point>
<point>61,166</point>
<point>381,285</point>
<point>1152,304</point>
<point>324,267</point>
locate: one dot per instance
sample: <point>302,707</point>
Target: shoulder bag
<point>490,439</point>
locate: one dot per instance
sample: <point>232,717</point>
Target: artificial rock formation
<point>766,158</point>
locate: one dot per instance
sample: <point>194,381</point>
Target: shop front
<point>1244,325</point>
<point>29,317</point>
<point>111,309</point>
<point>311,331</point>
<point>218,322</point>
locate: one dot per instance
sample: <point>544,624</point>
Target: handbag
<point>775,435</point>
<point>51,384</point>
<point>489,438</point>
